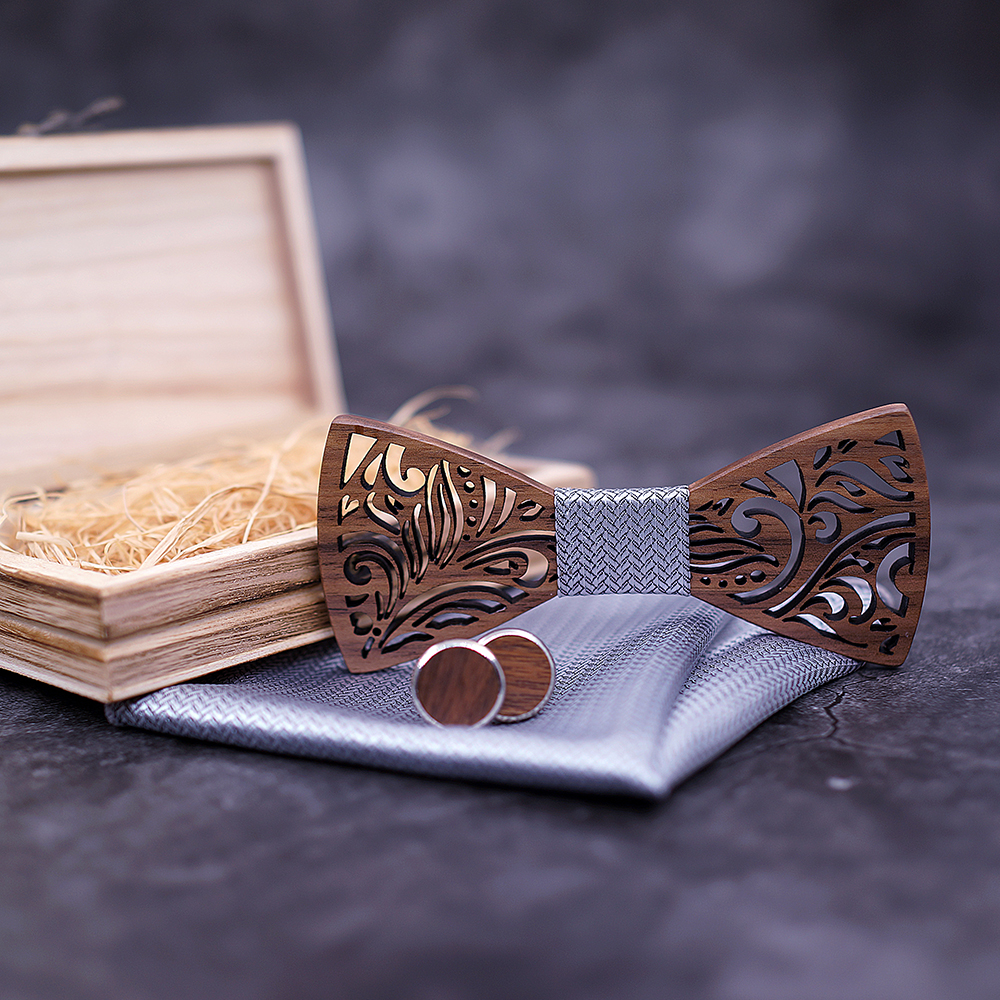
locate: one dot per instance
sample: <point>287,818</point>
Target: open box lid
<point>158,290</point>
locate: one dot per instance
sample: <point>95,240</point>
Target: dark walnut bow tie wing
<point>823,537</point>
<point>420,541</point>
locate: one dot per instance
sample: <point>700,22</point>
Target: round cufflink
<point>507,676</point>
<point>458,682</point>
<point>528,669</point>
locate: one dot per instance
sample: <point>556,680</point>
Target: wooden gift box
<point>159,290</point>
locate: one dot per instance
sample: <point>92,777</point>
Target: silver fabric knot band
<point>622,541</point>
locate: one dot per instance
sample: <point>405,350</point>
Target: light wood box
<point>159,290</point>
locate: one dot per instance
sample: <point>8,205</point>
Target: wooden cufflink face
<point>528,670</point>
<point>458,682</point>
<point>507,677</point>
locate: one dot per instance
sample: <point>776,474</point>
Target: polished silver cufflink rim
<point>506,676</point>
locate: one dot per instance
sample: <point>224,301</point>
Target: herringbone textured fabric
<point>622,541</point>
<point>648,689</point>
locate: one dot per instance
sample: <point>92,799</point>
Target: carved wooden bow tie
<point>824,537</point>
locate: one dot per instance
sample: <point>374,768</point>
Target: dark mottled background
<point>704,210</point>
<point>655,236</point>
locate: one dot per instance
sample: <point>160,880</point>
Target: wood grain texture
<point>824,537</point>
<point>115,637</point>
<point>458,683</point>
<point>420,541</point>
<point>113,669</point>
<point>528,670</point>
<point>110,607</point>
<point>157,289</point>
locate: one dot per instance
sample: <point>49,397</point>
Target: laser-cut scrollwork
<point>821,543</point>
<point>824,537</point>
<point>414,544</point>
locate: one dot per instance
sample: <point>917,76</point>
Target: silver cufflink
<point>507,676</point>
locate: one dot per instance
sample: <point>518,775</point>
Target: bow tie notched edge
<point>823,537</point>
